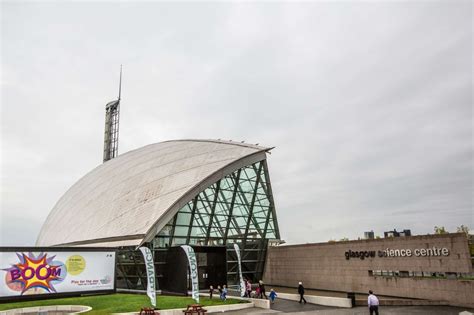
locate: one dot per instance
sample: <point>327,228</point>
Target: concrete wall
<point>320,300</point>
<point>324,266</point>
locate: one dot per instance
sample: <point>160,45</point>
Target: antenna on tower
<point>120,83</point>
<point>112,111</point>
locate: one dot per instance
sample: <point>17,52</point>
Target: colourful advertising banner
<point>26,273</point>
<point>150,274</point>
<point>193,270</point>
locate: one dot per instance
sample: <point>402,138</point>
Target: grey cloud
<point>369,104</point>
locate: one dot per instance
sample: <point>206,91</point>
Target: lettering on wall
<point>388,252</point>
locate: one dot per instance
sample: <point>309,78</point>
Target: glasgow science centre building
<point>209,194</point>
<point>213,195</point>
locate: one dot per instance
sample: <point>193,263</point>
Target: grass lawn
<point>116,303</point>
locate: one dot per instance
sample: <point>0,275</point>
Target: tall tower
<point>111,134</point>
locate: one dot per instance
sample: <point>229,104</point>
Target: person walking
<point>224,293</point>
<point>301,292</point>
<point>211,291</point>
<point>373,303</point>
<point>272,296</point>
<point>262,289</point>
<point>249,289</point>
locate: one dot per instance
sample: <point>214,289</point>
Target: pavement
<point>282,306</point>
<point>290,307</point>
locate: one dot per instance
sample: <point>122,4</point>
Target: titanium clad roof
<point>127,200</point>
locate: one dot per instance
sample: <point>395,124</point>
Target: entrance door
<point>212,269</point>
<point>212,266</point>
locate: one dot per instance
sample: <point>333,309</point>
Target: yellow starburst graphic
<point>35,273</point>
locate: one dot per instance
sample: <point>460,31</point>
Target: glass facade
<point>237,209</point>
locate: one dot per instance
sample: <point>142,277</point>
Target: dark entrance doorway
<point>212,266</point>
<point>212,269</point>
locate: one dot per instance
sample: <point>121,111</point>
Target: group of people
<point>372,301</point>
<point>259,290</point>
<point>222,292</point>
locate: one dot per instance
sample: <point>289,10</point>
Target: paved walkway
<point>392,310</point>
<point>330,293</point>
<point>287,306</point>
<point>282,306</point>
<point>294,308</point>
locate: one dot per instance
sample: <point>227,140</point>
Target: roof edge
<point>241,144</point>
<point>112,239</point>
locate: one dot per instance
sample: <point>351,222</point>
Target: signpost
<point>150,274</point>
<point>193,269</point>
<point>242,283</point>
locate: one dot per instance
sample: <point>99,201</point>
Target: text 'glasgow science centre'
<point>418,252</point>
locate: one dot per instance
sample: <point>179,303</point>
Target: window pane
<point>181,231</point>
<point>183,218</point>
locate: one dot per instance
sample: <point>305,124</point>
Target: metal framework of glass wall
<point>238,208</point>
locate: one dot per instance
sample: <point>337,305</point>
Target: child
<point>257,293</point>
<point>211,290</point>
<point>224,293</point>
<point>272,295</point>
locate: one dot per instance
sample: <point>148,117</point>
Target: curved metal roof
<point>127,200</point>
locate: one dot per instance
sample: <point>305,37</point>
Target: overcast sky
<point>369,104</point>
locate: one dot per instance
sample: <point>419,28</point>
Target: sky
<point>368,104</point>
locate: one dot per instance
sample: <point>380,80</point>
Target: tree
<point>463,229</point>
<point>440,230</point>
<point>343,239</point>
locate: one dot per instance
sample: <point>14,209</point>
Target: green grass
<point>117,303</point>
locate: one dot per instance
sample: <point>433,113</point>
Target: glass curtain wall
<point>238,208</point>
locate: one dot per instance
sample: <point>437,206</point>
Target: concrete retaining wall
<point>320,300</point>
<point>403,302</point>
<point>260,303</point>
<point>71,309</point>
